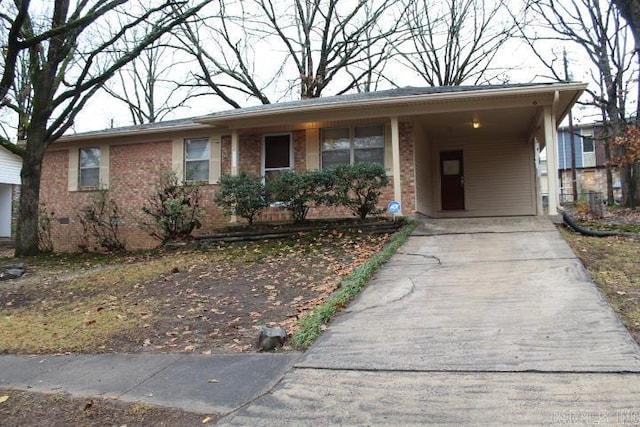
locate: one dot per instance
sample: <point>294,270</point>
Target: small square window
<point>89,176</point>
<point>197,153</point>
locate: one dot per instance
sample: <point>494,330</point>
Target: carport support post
<point>395,154</point>
<point>234,153</point>
<point>552,158</point>
<point>234,163</point>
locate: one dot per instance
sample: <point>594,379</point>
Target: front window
<point>89,176</point>
<point>277,155</point>
<point>197,153</point>
<point>344,146</point>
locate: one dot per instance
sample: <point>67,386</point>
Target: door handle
<point>462,181</point>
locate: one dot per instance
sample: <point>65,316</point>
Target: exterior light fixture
<point>475,123</point>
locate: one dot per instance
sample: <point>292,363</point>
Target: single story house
<point>465,151</point>
<point>10,166</point>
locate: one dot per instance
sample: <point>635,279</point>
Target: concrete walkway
<point>195,383</point>
<point>481,321</point>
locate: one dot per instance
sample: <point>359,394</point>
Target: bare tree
<point>597,30</point>
<point>223,48</point>
<point>317,44</point>
<point>72,52</point>
<point>18,100</point>
<point>454,42</point>
<point>148,86</point>
<point>630,10</point>
<point>324,37</point>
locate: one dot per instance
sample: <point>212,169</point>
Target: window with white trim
<point>588,149</point>
<point>344,146</point>
<point>197,154</point>
<point>278,155</point>
<point>89,168</point>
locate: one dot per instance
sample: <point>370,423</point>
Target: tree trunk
<point>607,156</point>
<point>28,209</point>
<point>635,182</point>
<point>626,183</point>
<point>610,198</point>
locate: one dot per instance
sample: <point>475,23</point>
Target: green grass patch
<point>311,326</point>
<point>613,265</point>
<point>71,327</point>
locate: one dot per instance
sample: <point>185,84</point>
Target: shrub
<point>297,191</point>
<point>99,220</point>
<point>174,209</point>
<point>358,187</point>
<point>243,195</point>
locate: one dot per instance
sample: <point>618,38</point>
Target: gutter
<point>214,119</point>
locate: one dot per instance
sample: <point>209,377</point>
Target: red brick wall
<point>250,154</point>
<point>134,172</point>
<point>407,169</point>
<point>225,156</point>
<point>59,203</point>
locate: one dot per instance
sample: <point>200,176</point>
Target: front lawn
<point>205,300</point>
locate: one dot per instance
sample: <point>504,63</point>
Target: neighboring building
<point>450,152</point>
<point>591,174</point>
<point>10,165</point>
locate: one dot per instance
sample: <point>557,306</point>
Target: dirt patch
<point>210,299</point>
<point>19,408</point>
<point>613,262</point>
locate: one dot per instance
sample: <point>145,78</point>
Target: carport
<point>477,151</point>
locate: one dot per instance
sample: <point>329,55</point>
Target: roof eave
<point>220,120</point>
<point>109,133</point>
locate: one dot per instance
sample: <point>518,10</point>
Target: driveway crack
<point>439,261</point>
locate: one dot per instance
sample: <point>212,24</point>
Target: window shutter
<point>73,169</point>
<point>215,165</point>
<point>313,149</point>
<point>104,166</point>
<point>388,153</point>
<point>177,158</point>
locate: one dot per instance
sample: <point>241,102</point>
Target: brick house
<point>449,152</point>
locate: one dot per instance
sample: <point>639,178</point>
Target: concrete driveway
<point>473,321</point>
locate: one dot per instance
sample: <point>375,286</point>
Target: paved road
<point>473,321</point>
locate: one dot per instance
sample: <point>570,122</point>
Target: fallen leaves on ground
<point>206,301</point>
